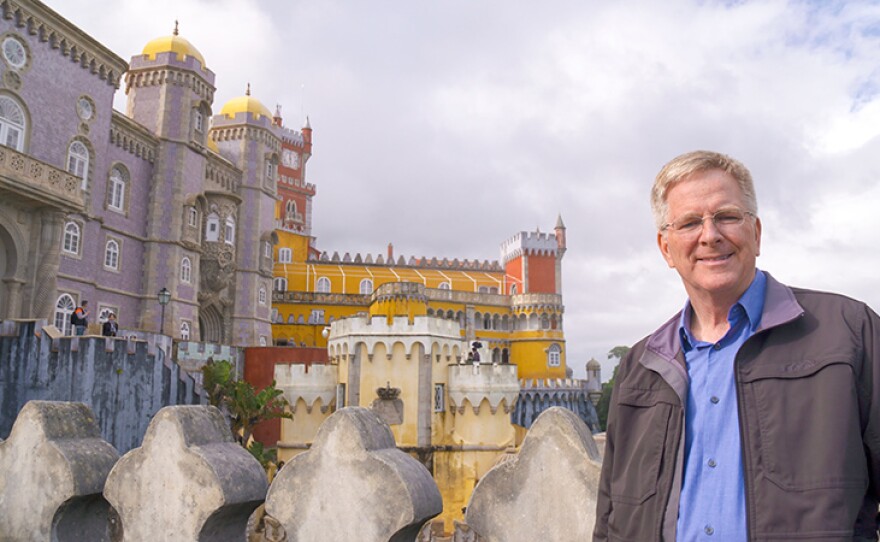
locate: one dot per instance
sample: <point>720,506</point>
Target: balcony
<point>35,181</point>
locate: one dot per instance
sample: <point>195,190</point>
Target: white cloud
<point>445,128</point>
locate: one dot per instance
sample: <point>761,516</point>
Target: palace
<point>457,356</point>
<point>113,208</point>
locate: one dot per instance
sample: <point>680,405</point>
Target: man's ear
<point>663,245</point>
<point>758,236</point>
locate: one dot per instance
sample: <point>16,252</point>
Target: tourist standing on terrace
<point>754,413</point>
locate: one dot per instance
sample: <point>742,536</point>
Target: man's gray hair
<point>682,167</point>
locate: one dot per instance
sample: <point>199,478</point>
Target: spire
<point>559,224</point>
<point>175,27</point>
<point>248,91</point>
<point>308,124</point>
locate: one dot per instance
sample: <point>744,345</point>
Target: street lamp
<point>164,297</point>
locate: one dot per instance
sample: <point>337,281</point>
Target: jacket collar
<point>663,349</point>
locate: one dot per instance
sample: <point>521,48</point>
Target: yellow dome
<point>173,44</point>
<point>245,104</point>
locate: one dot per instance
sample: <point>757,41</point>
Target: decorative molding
<point>70,41</point>
<point>130,136</point>
<point>163,74</point>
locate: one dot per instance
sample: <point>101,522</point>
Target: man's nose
<point>709,233</point>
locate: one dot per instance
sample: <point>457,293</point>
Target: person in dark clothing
<point>80,318</point>
<point>110,327</point>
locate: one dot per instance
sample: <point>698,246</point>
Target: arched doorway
<point>211,325</point>
<point>8,268</point>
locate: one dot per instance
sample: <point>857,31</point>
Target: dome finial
<point>248,91</point>
<point>175,27</point>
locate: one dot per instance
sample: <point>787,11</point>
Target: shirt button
<point>709,530</point>
<point>714,400</point>
<point>712,463</point>
<point>717,346</point>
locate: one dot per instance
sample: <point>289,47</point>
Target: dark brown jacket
<point>808,385</point>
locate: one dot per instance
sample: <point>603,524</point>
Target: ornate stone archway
<point>212,325</point>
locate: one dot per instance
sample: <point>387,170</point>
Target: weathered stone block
<point>52,473</point>
<point>547,492</point>
<point>353,484</point>
<point>188,482</point>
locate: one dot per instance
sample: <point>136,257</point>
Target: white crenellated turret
<point>307,382</point>
<point>474,384</point>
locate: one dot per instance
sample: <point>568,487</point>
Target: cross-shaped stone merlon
<point>353,484</point>
<point>52,473</point>
<point>188,482</point>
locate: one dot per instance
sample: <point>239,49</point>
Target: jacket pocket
<point>639,448</point>
<point>808,418</point>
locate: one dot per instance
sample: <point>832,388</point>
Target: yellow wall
<point>301,429</point>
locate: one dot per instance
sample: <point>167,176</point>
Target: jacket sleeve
<point>603,497</point>
<point>870,383</point>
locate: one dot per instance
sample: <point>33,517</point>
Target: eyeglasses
<point>725,220</point>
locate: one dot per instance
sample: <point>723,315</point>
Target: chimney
<point>390,252</point>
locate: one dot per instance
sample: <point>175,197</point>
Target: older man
<point>754,413</point>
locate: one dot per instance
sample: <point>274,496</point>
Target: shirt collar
<point>752,302</point>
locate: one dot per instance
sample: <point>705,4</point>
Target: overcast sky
<point>446,127</point>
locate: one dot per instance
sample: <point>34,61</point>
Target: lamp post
<point>164,297</point>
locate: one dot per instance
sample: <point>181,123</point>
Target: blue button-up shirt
<point>713,503</point>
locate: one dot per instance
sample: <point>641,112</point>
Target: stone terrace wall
<point>125,382</point>
<point>190,482</point>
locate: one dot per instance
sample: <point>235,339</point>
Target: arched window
<point>185,270</point>
<point>184,331</point>
<point>262,295</point>
<point>513,289</point>
<point>78,161</point>
<point>212,228</point>
<point>71,238</point>
<point>111,255</point>
<point>323,285</point>
<point>279,284</point>
<point>12,124</point>
<point>545,321</point>
<point>116,189</point>
<point>198,121</point>
<point>229,234</point>
<point>291,210</point>
<point>285,255</point>
<point>192,216</point>
<point>271,168</point>
<point>366,287</point>
<point>64,307</point>
<point>554,358</point>
<point>444,286</point>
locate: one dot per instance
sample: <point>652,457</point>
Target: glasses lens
<point>728,217</point>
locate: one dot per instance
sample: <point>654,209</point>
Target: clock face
<point>290,159</point>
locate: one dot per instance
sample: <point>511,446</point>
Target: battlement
<point>474,383</point>
<point>531,243</point>
<point>401,261</point>
<point>307,382</point>
<point>292,137</point>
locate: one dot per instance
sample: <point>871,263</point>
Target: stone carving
<point>188,482</point>
<point>52,472</point>
<point>388,405</point>
<point>353,484</point>
<point>548,492</point>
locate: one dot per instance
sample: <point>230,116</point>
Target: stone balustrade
<point>190,482</point>
<point>29,177</point>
